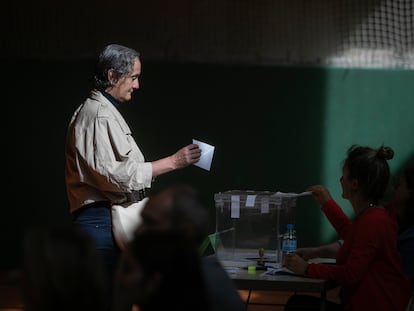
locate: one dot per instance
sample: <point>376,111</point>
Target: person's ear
<point>355,184</point>
<point>112,77</point>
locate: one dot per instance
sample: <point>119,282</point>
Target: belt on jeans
<point>104,204</point>
<point>136,195</point>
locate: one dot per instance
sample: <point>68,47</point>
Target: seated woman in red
<point>368,265</point>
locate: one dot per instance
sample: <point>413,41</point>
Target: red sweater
<point>368,265</point>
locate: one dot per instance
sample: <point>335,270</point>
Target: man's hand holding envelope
<point>207,152</point>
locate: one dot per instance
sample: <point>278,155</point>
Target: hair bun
<point>385,153</point>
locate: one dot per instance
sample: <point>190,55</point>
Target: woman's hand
<point>295,263</point>
<point>307,252</point>
<point>320,193</point>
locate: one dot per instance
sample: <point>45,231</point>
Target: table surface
<point>260,280</point>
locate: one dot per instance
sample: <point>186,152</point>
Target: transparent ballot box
<point>249,225</point>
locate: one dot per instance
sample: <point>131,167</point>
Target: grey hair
<point>117,57</point>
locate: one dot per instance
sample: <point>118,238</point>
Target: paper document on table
<point>279,271</point>
<point>207,152</point>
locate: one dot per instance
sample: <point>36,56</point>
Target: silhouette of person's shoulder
<point>220,287</point>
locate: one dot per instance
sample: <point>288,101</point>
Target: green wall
<point>274,128</point>
<point>368,107</point>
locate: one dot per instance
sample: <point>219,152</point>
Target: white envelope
<point>207,152</point>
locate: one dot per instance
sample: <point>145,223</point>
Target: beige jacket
<point>103,161</point>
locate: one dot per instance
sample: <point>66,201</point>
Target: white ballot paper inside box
<point>207,152</point>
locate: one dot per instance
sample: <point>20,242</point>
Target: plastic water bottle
<point>289,242</point>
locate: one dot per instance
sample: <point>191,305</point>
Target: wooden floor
<point>11,297</point>
<point>265,300</point>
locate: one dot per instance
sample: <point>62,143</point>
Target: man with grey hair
<point>104,165</point>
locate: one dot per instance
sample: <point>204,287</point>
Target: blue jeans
<point>96,222</point>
